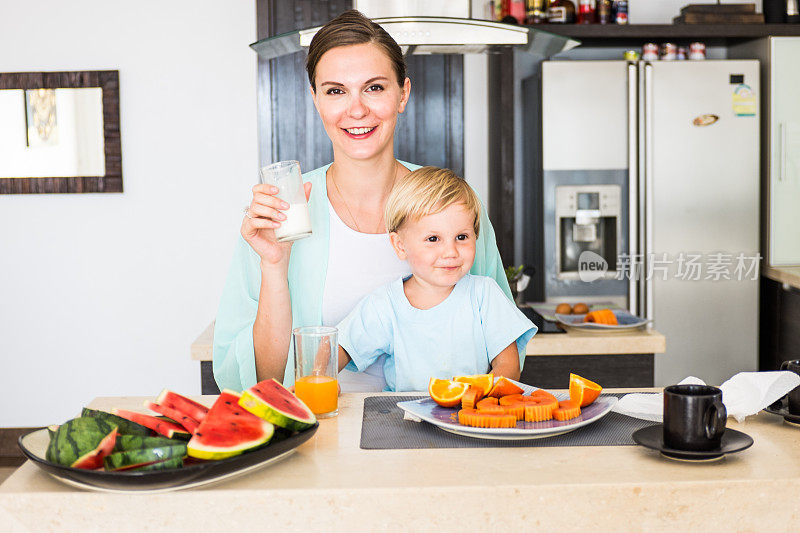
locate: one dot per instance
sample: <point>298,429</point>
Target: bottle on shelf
<point>536,11</point>
<point>500,8</point>
<point>792,12</point>
<point>586,11</point>
<point>561,12</point>
<point>620,11</point>
<point>516,9</point>
<point>604,11</point>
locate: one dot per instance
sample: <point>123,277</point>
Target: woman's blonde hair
<point>426,191</point>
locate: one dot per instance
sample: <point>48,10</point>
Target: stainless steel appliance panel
<point>701,196</point>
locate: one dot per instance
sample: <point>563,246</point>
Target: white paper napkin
<point>744,394</point>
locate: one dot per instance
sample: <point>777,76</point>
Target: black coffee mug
<point>694,417</point>
<point>794,394</point>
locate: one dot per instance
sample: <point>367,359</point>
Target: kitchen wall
<point>102,294</point>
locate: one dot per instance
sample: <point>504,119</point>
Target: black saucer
<point>653,437</point>
<point>781,408</point>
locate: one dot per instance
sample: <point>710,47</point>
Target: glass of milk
<point>285,175</point>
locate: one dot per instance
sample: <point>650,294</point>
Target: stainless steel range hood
<point>436,35</point>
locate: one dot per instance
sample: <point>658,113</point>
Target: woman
<point>358,82</point>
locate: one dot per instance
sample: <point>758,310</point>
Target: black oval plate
<point>34,444</point>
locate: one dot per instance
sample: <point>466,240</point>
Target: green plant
<point>513,273</point>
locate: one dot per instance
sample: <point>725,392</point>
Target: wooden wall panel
<point>501,151</point>
<point>431,131</point>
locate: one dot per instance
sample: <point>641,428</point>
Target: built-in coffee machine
<point>588,221</point>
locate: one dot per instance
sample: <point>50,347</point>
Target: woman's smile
<point>359,133</point>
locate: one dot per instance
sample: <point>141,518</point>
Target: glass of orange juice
<point>316,367</point>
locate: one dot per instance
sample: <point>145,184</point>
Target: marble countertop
<point>330,483</point>
<point>570,343</point>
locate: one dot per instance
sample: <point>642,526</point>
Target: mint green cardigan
<point>234,359</point>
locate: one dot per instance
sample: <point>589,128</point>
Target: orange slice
<point>482,381</point>
<point>503,387</point>
<point>566,410</point>
<point>445,392</point>
<point>582,391</point>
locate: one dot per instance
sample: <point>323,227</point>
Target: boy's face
<point>440,247</point>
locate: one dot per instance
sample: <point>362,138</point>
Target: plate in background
<point>625,322</point>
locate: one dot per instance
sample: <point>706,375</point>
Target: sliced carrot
<point>486,402</point>
<point>538,413</point>
<point>471,417</point>
<point>470,398</point>
<point>541,393</point>
<point>492,410</point>
<point>510,399</point>
<point>503,387</point>
<point>566,410</point>
<point>516,409</point>
<point>601,316</point>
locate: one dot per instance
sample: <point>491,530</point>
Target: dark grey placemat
<point>383,428</point>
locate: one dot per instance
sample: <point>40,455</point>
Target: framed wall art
<point>59,132</point>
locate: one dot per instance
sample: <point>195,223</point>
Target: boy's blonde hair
<point>426,191</point>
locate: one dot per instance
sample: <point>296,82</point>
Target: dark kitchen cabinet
<point>780,324</point>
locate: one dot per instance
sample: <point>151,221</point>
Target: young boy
<point>441,321</point>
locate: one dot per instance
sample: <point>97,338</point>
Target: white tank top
<point>362,263</point>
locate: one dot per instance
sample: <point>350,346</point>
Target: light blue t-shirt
<point>460,336</point>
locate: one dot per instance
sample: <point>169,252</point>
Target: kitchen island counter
<point>330,483</point>
<point>577,350</point>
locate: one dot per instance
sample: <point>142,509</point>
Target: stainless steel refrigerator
<point>680,139</point>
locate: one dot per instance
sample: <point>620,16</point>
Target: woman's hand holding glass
<point>263,215</point>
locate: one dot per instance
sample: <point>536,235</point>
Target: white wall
<point>102,294</point>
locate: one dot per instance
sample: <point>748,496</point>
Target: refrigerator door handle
<point>633,186</point>
<point>648,191</point>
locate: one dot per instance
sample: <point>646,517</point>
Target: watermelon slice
<point>186,421</point>
<point>136,442</point>
<point>175,462</point>
<point>275,403</point>
<point>228,430</point>
<point>190,408</point>
<point>162,427</point>
<point>125,427</point>
<point>137,458</point>
<point>82,442</point>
